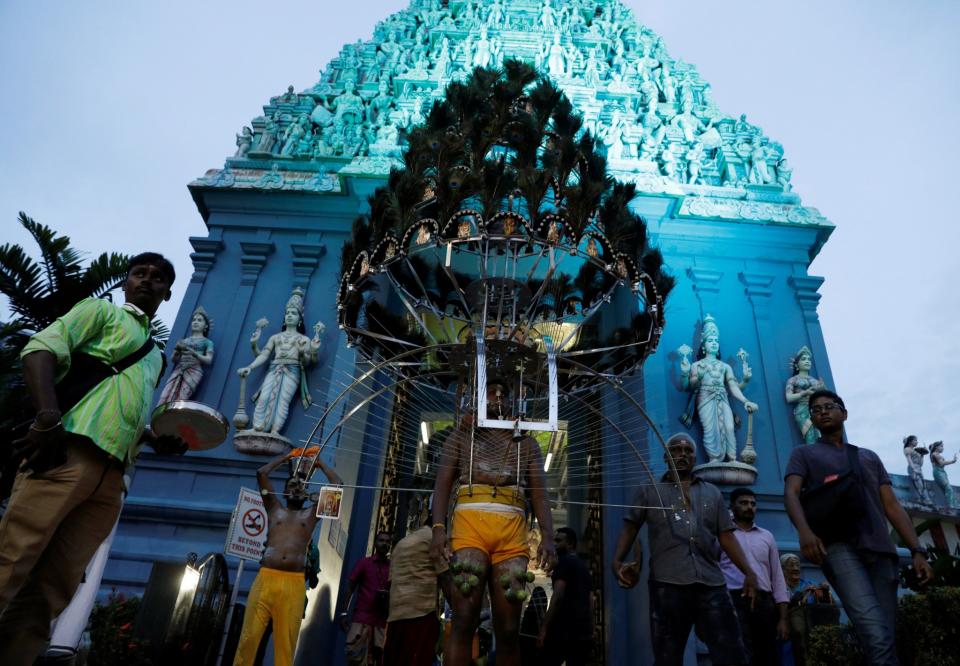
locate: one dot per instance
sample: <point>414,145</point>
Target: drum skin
<point>200,426</point>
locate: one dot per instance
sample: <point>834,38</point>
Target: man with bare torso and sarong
<point>495,476</point>
<point>278,591</point>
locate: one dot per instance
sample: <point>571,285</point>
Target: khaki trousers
<point>54,523</point>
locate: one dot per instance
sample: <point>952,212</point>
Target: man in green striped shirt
<point>68,494</point>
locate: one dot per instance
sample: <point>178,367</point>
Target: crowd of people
<point>711,567</point>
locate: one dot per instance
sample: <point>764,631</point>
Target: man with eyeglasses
<point>861,564</point>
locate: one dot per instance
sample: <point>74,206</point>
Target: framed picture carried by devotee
<point>328,504</point>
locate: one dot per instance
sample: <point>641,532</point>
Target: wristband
<point>33,426</point>
<point>440,525</point>
<point>918,551</point>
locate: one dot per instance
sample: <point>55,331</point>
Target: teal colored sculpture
<point>289,354</point>
<point>189,356</point>
<point>799,388</point>
<point>914,454</point>
<point>673,138</point>
<point>710,379</point>
<point>940,477</point>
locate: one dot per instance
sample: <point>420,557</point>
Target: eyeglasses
<point>824,407</point>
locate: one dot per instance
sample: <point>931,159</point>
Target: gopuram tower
<point>717,198</point>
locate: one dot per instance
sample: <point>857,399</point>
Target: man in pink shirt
<point>370,583</point>
<point>765,619</point>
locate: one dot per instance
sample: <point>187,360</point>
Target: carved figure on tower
<point>289,354</point>
<point>189,356</point>
<point>940,462</point>
<point>711,379</point>
<point>798,390</point>
<point>914,454</point>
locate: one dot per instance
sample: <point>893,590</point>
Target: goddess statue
<point>244,141</point>
<point>189,355</point>
<point>711,378</point>
<point>940,477</point>
<point>347,103</point>
<point>292,353</point>
<point>481,57</point>
<point>547,20</point>
<point>798,390</point>
<point>914,455</point>
<point>556,63</point>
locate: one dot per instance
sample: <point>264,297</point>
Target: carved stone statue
<point>914,455</point>
<point>784,174</point>
<point>798,390</point>
<point>481,56</point>
<point>244,141</point>
<point>348,105</point>
<point>939,462</point>
<point>613,137</point>
<point>292,353</point>
<point>291,138</point>
<point>694,157</point>
<point>556,62</point>
<point>668,161</point>
<point>688,123</point>
<point>667,84</point>
<point>189,356</point>
<point>711,379</point>
<point>649,91</point>
<point>759,172</point>
<point>269,135</point>
<point>547,19</point>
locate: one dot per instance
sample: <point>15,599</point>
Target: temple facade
<point>717,197</point>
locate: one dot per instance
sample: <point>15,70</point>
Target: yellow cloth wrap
<point>483,493</point>
<point>278,596</point>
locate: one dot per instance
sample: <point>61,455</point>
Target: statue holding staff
<point>711,379</point>
<point>292,352</point>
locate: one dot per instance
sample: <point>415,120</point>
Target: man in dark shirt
<point>687,588</point>
<point>568,625</point>
<point>863,566</point>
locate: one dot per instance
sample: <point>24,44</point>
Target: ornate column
<point>806,290</point>
<point>252,261</point>
<point>757,287</point>
<point>706,284</point>
<point>305,261</point>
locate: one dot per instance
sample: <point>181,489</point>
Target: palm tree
<point>41,291</point>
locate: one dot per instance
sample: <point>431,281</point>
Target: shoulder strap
<point>133,358</point>
<point>853,459</point>
<point>87,371</point>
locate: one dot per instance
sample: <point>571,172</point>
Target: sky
<point>109,109</point>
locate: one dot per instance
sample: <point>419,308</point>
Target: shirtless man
<point>278,591</point>
<point>488,528</point>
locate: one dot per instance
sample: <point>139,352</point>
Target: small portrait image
<point>328,505</point>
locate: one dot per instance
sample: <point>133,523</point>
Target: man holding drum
<point>278,592</point>
<point>91,376</point>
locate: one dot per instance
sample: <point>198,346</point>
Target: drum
<point>201,427</point>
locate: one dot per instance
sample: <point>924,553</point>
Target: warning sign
<point>247,534</point>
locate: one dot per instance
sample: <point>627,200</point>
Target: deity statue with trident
<point>710,378</point>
